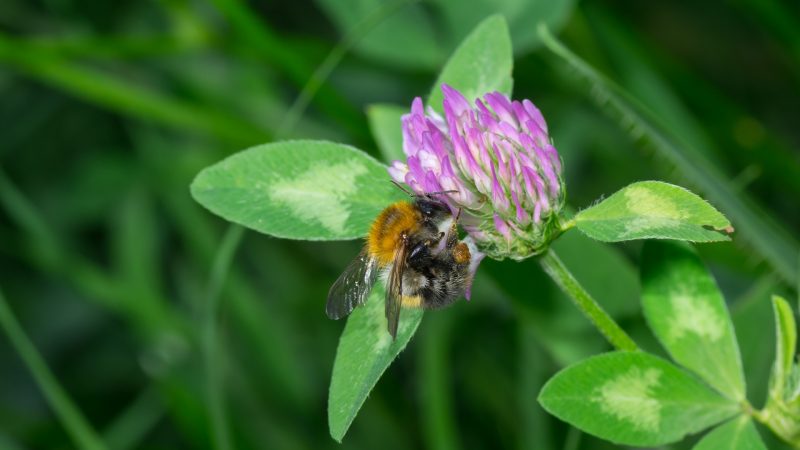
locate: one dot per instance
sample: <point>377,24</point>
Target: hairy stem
<point>553,266</point>
<point>780,418</point>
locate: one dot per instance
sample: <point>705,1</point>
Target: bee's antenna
<point>452,191</point>
<point>400,186</point>
<point>427,194</point>
<point>458,215</point>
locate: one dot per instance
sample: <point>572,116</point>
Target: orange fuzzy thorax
<point>386,231</point>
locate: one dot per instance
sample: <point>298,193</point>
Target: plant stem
<point>215,393</point>
<point>779,418</point>
<point>78,428</point>
<point>256,35</point>
<point>567,225</point>
<point>552,264</point>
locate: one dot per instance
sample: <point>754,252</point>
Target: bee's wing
<point>352,287</point>
<point>394,289</point>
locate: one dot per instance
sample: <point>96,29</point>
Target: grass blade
<point>108,91</point>
<point>326,67</point>
<point>255,34</point>
<point>78,428</point>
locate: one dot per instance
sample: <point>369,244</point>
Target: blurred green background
<point>109,109</point>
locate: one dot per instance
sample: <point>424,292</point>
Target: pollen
<point>387,230</point>
<point>411,301</point>
<point>461,253</point>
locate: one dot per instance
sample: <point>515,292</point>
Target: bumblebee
<point>414,248</point>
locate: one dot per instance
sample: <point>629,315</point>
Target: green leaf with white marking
<point>365,351</point>
<point>653,210</point>
<point>633,398</point>
<point>737,434</point>
<point>481,64</point>
<point>311,190</point>
<point>785,346</point>
<point>687,313</point>
<point>385,124</point>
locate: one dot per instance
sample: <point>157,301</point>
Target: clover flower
<point>497,163</point>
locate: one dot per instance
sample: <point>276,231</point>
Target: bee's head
<point>432,210</point>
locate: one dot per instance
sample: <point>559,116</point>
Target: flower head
<point>493,160</point>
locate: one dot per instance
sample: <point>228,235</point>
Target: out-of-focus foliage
<point>109,109</point>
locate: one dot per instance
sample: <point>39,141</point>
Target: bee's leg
<point>452,232</point>
<point>461,254</point>
<point>437,245</point>
<point>419,255</point>
<point>436,240</point>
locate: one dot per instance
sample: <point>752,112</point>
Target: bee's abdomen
<point>441,282</point>
<point>386,231</point>
<point>444,289</point>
